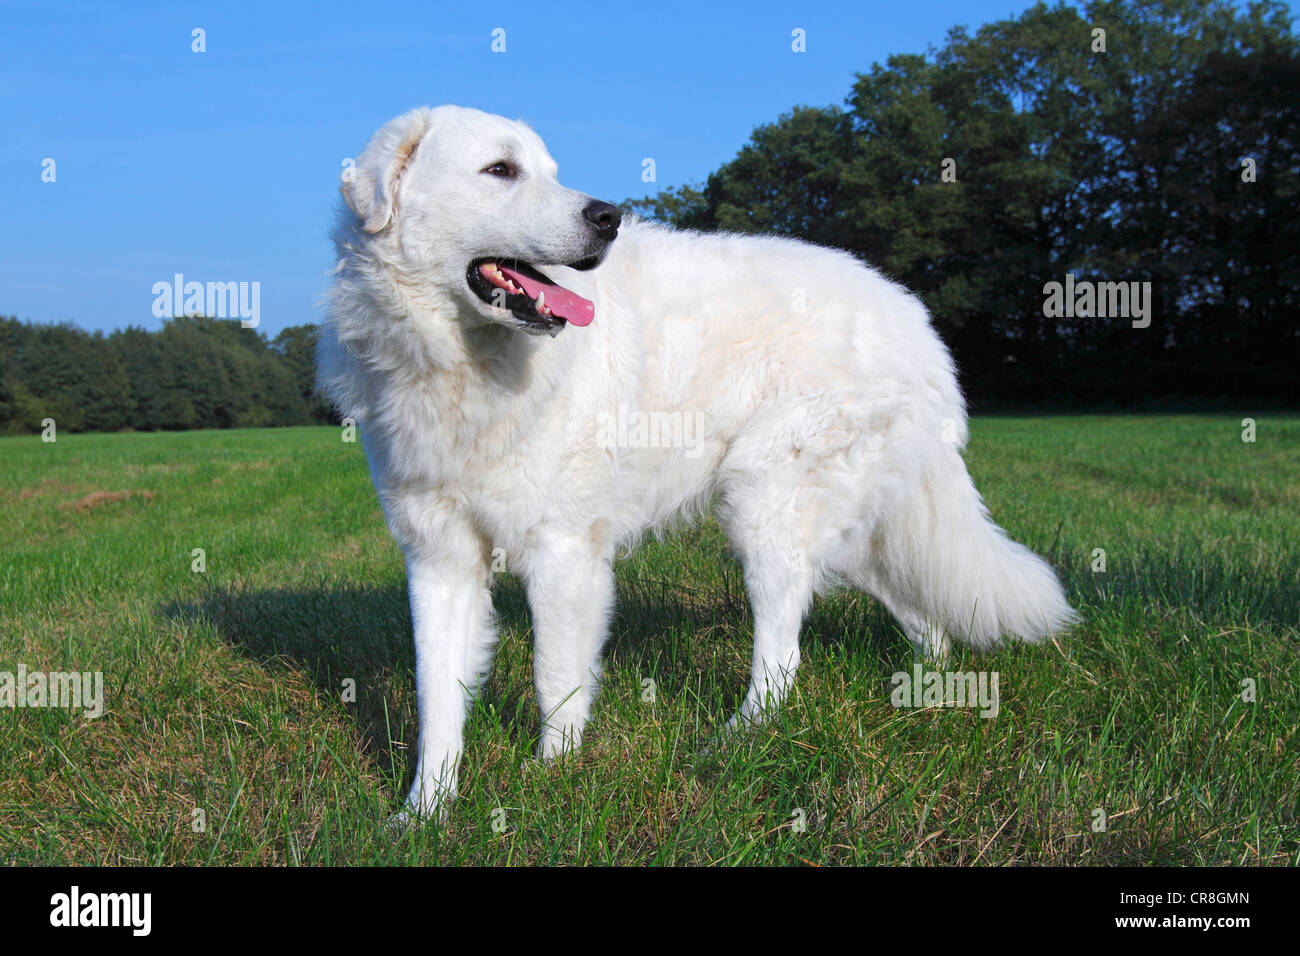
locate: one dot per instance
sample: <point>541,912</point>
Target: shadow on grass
<point>329,634</point>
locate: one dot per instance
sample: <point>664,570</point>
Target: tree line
<point>195,372</point>
<point>1019,179</point>
<point>1153,144</point>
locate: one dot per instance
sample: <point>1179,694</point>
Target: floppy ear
<point>373,190</point>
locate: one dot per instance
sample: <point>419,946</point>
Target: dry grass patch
<point>98,499</point>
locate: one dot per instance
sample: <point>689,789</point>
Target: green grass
<point>223,689</point>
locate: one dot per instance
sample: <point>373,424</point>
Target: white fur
<point>830,421</point>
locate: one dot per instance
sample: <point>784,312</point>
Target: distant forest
<point>1099,206</point>
<point>1125,142</point>
<point>194,373</point>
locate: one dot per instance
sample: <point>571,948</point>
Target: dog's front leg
<point>570,580</point>
<point>451,610</point>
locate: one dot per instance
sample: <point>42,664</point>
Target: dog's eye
<point>502,169</point>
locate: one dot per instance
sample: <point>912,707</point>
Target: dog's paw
<point>555,744</point>
<point>931,646</point>
<point>533,765</point>
<point>401,823</point>
<point>413,817</point>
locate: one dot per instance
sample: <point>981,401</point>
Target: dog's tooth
<point>541,301</point>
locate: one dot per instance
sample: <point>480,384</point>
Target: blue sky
<point>224,165</point>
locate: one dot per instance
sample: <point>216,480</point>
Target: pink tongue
<point>568,305</point>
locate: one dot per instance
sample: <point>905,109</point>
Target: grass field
<point>223,690</point>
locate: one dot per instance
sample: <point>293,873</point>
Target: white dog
<point>798,391</point>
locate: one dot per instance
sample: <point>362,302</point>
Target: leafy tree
<point>1037,147</point>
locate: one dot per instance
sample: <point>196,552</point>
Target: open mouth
<point>536,302</point>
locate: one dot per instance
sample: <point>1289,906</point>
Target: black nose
<point>604,216</point>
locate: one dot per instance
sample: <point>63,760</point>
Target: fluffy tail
<point>955,567</point>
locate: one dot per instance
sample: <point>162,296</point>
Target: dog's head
<point>472,204</point>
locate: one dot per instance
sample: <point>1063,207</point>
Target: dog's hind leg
<point>779,581</point>
<point>570,581</point>
<point>929,638</point>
